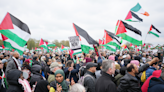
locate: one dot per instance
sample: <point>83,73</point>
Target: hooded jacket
<point>36,75</point>
<point>150,71</point>
<point>14,86</point>
<point>145,86</point>
<point>156,85</point>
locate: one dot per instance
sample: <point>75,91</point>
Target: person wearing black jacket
<point>105,82</point>
<point>130,82</point>
<point>89,81</point>
<point>36,74</point>
<point>35,60</point>
<point>14,85</point>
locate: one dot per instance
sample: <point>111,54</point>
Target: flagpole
<point>145,38</point>
<point>144,42</point>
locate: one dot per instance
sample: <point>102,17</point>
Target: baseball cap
<point>90,64</point>
<point>54,64</point>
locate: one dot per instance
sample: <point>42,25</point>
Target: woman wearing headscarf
<point>42,86</point>
<point>59,84</point>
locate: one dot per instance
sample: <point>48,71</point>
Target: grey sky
<point>52,19</point>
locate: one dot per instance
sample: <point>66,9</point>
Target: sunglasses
<point>1,63</point>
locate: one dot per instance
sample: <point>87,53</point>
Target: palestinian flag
<point>112,39</point>
<point>124,46</point>
<point>3,46</point>
<point>144,45</point>
<point>131,46</point>
<point>139,9</point>
<point>132,17</point>
<point>50,44</point>
<point>50,49</point>
<point>100,41</point>
<point>86,41</point>
<point>62,47</point>
<point>128,33</point>
<point>41,48</point>
<point>15,31</point>
<point>66,48</point>
<point>12,45</point>
<point>110,47</point>
<point>3,78</point>
<point>154,31</point>
<point>43,44</point>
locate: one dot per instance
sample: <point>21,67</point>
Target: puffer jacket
<point>129,83</point>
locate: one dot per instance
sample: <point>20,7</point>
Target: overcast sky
<point>52,19</point>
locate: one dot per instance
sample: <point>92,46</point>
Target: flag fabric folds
<point>50,44</point>
<point>14,32</point>
<point>132,17</point>
<point>42,43</point>
<point>114,40</point>
<point>128,33</point>
<point>139,9</point>
<point>86,41</point>
<point>154,31</point>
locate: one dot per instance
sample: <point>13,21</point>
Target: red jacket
<point>145,86</point>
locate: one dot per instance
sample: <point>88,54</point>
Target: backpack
<point>143,76</point>
<point>82,70</point>
<point>81,80</point>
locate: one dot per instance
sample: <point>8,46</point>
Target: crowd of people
<point>126,71</point>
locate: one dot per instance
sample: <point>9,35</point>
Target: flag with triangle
<point>128,33</point>
<point>86,41</point>
<point>42,43</point>
<point>3,46</point>
<point>62,47</point>
<point>144,45</point>
<point>100,41</point>
<point>50,44</point>
<point>15,31</point>
<point>112,40</point>
<point>154,31</point>
<point>10,44</point>
<point>132,17</point>
<point>131,46</point>
<point>139,9</point>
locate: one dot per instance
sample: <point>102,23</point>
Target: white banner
<point>74,42</point>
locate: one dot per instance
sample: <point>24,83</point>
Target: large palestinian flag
<point>112,40</point>
<point>15,32</point>
<point>50,44</point>
<point>43,44</point>
<point>132,17</point>
<point>139,9</point>
<point>128,33</point>
<point>11,44</point>
<point>86,41</point>
<point>154,31</point>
